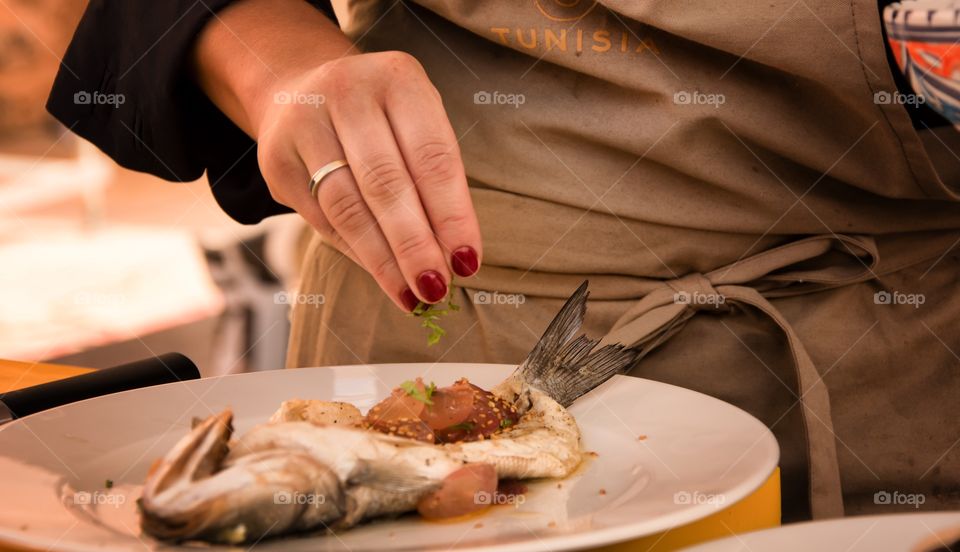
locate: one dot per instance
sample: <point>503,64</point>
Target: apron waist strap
<point>817,262</point>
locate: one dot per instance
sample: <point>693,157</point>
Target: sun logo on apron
<point>565,10</point>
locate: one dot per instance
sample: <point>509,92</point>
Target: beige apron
<point>688,159</point>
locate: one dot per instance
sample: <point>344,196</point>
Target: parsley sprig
<point>430,315</point>
<point>424,395</point>
<point>462,426</point>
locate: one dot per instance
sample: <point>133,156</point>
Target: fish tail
<point>565,368</point>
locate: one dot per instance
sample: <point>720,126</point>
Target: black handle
<point>167,368</point>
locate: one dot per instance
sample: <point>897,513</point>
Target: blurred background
<point>100,265</point>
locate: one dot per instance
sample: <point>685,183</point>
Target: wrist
<point>270,89</point>
<point>255,49</point>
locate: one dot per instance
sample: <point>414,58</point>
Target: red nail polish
<point>408,299</point>
<point>431,286</point>
<point>464,261</point>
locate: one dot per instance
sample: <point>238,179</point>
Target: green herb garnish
<point>462,426</point>
<point>423,396</point>
<point>431,316</point>
<point>505,423</point>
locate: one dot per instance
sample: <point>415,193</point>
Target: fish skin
<point>384,474</point>
<point>369,474</point>
<point>355,455</point>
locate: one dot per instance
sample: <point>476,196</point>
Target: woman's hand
<point>401,210</point>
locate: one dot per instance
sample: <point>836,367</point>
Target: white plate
<point>666,456</point>
<point>890,533</point>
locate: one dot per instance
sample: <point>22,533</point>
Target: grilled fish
<point>293,476</point>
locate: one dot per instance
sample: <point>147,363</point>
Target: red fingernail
<point>464,261</point>
<point>431,286</point>
<point>408,299</point>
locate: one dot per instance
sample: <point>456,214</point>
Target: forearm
<point>242,54</point>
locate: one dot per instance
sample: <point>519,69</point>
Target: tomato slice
<point>460,412</point>
<point>464,491</point>
<point>451,406</point>
<point>409,428</point>
<point>398,407</point>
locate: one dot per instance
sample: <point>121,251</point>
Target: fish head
<point>193,493</point>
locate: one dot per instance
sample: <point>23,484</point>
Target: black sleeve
<point>124,85</point>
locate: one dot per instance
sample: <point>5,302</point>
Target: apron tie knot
<point>697,293</point>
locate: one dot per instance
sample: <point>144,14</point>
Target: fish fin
<point>391,477</point>
<point>565,368</point>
